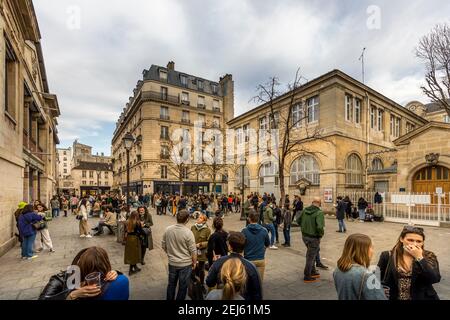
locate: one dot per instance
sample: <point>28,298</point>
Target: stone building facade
<point>28,133</point>
<point>163,101</point>
<point>356,150</point>
<point>92,178</point>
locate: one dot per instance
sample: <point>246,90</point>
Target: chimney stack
<point>171,65</point>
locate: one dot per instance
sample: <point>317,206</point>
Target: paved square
<point>284,270</point>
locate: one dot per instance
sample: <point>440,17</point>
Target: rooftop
<point>94,166</point>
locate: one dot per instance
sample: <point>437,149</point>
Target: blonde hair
<point>234,278</point>
<point>356,251</point>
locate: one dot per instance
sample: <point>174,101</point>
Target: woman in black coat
<point>409,270</point>
<point>341,207</point>
<point>217,242</point>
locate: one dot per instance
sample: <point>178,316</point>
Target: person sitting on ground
<point>109,221</point>
<point>114,285</point>
<point>236,244</point>
<point>234,278</point>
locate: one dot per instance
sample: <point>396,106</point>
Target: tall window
<point>245,128</point>
<point>83,174</point>
<point>268,171</point>
<point>297,115</point>
<point>201,85</point>
<point>214,88</point>
<point>238,176</point>
<point>216,106</point>
<point>380,120</point>
<point>201,102</point>
<point>395,126</point>
<point>313,109</point>
<point>185,116</point>
<point>164,133</point>
<point>373,119</point>
<point>447,119</point>
<point>305,167</point>
<point>263,123</point>
<point>377,164</point>
<point>185,98</point>
<point>10,80</point>
<point>354,172</point>
<point>274,120</point>
<point>184,80</point>
<point>165,152</point>
<point>348,107</point>
<point>201,119</point>
<point>216,122</point>
<point>164,113</point>
<point>184,173</point>
<point>163,172</point>
<point>91,174</point>
<point>239,136</point>
<point>164,93</point>
<point>357,111</point>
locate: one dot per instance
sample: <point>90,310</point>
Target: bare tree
<point>215,166</point>
<point>293,129</point>
<point>434,50</point>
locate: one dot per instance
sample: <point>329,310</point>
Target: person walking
<point>83,217</point>
<point>286,220</point>
<point>65,206</point>
<point>408,270</point>
<point>312,223</point>
<point>201,233</point>
<point>147,237</point>
<point>55,205</point>
<point>27,231</point>
<point>234,277</point>
<point>268,223</point>
<point>341,207</point>
<point>352,276</point>
<point>276,221</point>
<point>133,245</point>
<point>257,242</point>
<point>74,204</point>
<point>236,244</point>
<point>179,244</point>
<point>362,206</point>
<point>43,238</point>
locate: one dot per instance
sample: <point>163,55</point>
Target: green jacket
<point>268,215</point>
<point>247,208</point>
<point>201,235</point>
<point>312,222</point>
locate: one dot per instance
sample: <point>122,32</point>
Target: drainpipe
<point>367,139</point>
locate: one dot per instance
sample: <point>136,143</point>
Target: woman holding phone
<point>408,270</point>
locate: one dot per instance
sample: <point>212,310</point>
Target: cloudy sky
<point>95,51</point>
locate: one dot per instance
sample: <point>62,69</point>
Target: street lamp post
<point>243,217</point>
<point>128,141</point>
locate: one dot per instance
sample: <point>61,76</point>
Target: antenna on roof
<point>361,58</point>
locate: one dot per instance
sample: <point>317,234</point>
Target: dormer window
<point>184,80</point>
<point>214,88</point>
<point>163,75</point>
<point>200,85</point>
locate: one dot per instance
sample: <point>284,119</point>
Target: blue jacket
<point>26,223</point>
<point>118,289</point>
<point>253,290</point>
<point>257,241</point>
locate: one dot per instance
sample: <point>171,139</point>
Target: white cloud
<point>93,70</point>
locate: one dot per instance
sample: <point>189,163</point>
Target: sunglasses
<point>413,229</point>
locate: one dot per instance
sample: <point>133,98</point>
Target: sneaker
<point>52,250</point>
<point>88,236</point>
<point>322,266</point>
<point>361,220</point>
<point>82,236</point>
<point>273,247</point>
<point>315,275</point>
<point>287,245</point>
<point>310,280</point>
<point>33,257</point>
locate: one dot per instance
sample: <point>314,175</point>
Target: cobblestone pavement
<point>284,267</point>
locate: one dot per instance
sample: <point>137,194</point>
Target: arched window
<point>268,173</point>
<point>238,177</point>
<point>305,167</point>
<point>377,164</point>
<point>354,170</point>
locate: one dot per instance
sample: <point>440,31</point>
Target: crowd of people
<point>227,265</point>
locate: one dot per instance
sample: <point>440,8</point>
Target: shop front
<point>173,187</point>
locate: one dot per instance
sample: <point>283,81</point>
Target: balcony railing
<point>186,102</point>
<point>201,106</point>
<point>159,96</point>
<point>185,121</point>
<point>216,109</point>
<point>164,117</point>
<point>164,137</point>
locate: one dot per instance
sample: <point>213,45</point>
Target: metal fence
<point>430,209</point>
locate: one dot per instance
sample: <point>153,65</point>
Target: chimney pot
<point>171,65</point>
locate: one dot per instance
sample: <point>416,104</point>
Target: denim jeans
<point>180,276</point>
<point>55,212</point>
<point>287,235</point>
<point>27,246</point>
<point>313,247</point>
<point>275,227</point>
<point>362,214</point>
<point>342,227</point>
<point>270,228</point>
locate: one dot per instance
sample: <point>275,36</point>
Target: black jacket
<point>253,289</point>
<point>424,274</point>
<point>341,209</point>
<point>217,244</point>
<point>362,204</point>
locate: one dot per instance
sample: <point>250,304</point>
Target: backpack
<point>195,288</point>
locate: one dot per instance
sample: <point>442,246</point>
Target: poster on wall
<point>328,195</point>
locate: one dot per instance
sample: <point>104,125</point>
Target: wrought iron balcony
<point>159,96</point>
